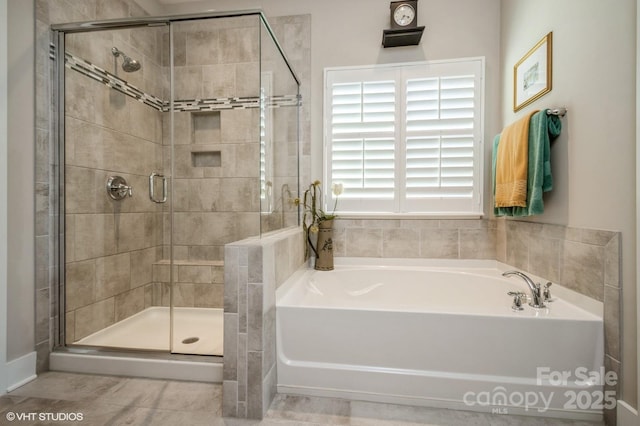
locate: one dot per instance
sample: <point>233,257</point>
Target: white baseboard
<point>21,371</point>
<point>627,415</point>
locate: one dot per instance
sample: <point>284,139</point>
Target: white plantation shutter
<point>441,116</point>
<point>406,138</point>
<point>362,127</point>
<point>365,167</point>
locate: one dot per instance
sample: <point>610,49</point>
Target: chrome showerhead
<point>128,64</point>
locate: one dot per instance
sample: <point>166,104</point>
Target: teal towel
<point>543,129</point>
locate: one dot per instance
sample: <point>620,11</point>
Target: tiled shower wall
<point>215,156</point>
<point>217,153</point>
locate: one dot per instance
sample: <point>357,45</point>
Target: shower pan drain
<point>190,340</point>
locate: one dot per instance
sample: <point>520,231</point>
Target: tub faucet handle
<point>518,298</point>
<point>547,292</point>
<point>537,298</point>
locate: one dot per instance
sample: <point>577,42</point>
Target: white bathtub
<point>421,334</point>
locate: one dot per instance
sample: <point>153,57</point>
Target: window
<point>406,138</point>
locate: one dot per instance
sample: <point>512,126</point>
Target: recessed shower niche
<point>206,127</point>
<point>185,117</point>
<point>206,158</point>
<point>205,137</point>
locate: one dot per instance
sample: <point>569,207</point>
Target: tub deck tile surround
<point>417,238</point>
<point>588,262</point>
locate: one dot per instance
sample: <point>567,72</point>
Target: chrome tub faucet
<point>537,293</point>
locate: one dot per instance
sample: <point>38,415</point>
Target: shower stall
<point>176,136</point>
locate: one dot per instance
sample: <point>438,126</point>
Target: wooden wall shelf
<point>402,37</point>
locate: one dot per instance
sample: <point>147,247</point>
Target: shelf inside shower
<point>195,331</point>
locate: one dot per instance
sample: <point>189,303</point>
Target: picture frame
<point>532,74</point>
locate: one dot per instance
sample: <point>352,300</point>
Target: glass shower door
<point>114,82</point>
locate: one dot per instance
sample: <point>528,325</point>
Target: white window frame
<point>400,205</point>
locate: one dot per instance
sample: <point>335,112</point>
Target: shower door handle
<point>152,184</point>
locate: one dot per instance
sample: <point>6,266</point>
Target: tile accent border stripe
<point>188,105</point>
<point>102,76</point>
<point>217,104</point>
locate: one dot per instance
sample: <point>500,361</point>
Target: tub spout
<point>537,299</point>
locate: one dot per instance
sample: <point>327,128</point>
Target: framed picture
<point>532,74</point>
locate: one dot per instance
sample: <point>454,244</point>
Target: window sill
<point>355,215</point>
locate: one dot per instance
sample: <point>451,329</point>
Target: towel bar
<point>557,111</point>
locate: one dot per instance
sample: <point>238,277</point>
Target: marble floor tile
<point>368,413</point>
<point>106,400</point>
<point>310,410</point>
<point>537,421</point>
<point>68,386</point>
<point>10,401</point>
<point>159,417</point>
<point>165,394</point>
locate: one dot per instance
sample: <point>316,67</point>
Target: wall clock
<point>404,14</point>
<point>404,29</point>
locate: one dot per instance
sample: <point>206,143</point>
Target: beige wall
<point>637,359</point>
<point>20,183</point>
<point>593,162</point>
<point>3,191</point>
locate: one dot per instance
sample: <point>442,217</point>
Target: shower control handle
<point>152,184</point>
<point>117,188</point>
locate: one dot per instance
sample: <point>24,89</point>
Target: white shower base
<point>203,369</point>
<point>150,330</point>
